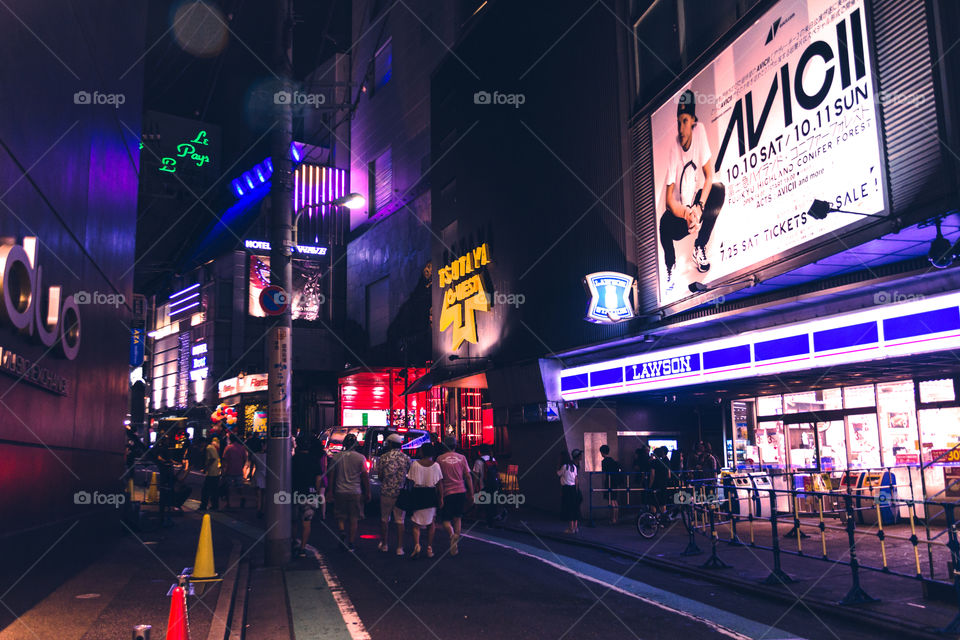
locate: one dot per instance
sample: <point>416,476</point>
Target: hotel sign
<point>464,293</point>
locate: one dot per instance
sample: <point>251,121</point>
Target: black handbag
<point>404,497</point>
<point>422,498</point>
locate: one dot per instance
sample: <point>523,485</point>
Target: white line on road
<point>350,616</point>
<point>724,622</point>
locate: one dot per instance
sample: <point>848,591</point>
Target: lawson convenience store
<point>869,389</point>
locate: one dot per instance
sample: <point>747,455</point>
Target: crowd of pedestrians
<point>436,488</point>
<point>654,472</point>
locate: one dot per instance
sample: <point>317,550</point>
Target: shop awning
<point>469,377</point>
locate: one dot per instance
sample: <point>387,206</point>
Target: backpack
<point>491,476</point>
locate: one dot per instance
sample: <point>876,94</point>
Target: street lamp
<point>350,201</point>
<point>699,287</point>
<point>820,208</point>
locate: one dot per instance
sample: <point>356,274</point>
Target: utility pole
<point>279,339</point>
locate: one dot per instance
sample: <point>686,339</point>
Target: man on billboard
<point>694,200</point>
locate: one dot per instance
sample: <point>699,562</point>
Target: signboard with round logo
<point>274,300</point>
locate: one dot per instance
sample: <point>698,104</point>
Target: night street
<point>503,585</point>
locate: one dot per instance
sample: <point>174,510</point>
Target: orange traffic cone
<point>153,493</point>
<point>177,625</point>
<point>203,561</point>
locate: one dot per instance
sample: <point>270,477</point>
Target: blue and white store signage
<point>610,297</point>
<point>904,329</point>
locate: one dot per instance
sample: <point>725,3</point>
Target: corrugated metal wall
<point>905,78</point>
<point>644,216</point>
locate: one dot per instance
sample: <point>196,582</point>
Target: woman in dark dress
<point>569,498</point>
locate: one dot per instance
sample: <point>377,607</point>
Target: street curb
<point>829,607</point>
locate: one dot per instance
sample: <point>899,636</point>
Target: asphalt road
<point>511,585</point>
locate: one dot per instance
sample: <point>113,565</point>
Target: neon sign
<point>188,150</point>
<point>892,330</point>
<point>264,245</point>
<point>461,302</point>
<point>609,297</point>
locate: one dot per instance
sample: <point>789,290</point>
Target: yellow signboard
<point>465,294</point>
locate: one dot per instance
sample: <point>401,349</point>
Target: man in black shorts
<point>457,487</point>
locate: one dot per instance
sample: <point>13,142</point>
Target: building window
<point>378,311</point>
<point>656,45</point>
<point>382,65</point>
<point>380,179</point>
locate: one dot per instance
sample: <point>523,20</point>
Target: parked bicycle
<point>650,523</point>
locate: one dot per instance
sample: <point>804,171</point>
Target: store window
<point>803,446</point>
<point>858,397</point>
<point>746,453</point>
<point>937,391</point>
<point>863,441</point>
<point>939,434</point>
<point>833,445</point>
<point>821,400</point>
<point>896,411</point>
<point>771,443</point>
<point>770,406</point>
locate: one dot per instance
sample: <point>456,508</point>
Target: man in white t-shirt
<point>694,200</point>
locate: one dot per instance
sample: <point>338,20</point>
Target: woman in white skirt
<point>425,497</point>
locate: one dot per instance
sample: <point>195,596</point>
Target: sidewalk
<point>820,585</point>
<point>127,586</point>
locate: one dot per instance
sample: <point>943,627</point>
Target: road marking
<point>349,614</point>
<point>309,612</point>
<point>724,622</point>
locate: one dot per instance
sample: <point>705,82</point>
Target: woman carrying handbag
<point>425,497</point>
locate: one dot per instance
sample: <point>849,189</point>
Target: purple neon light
<point>183,291</point>
<point>194,299</point>
<point>179,311</point>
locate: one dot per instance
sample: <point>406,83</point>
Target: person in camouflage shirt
<point>392,469</point>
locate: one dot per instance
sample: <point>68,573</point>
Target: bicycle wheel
<point>647,525</point>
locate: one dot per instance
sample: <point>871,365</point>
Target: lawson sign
<point>891,330</point>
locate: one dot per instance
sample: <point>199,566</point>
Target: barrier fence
<point>857,519</point>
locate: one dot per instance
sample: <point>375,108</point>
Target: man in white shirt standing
<point>694,200</point>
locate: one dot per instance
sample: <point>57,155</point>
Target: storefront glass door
<point>863,441</point>
<point>817,446</point>
<point>802,438</point>
<point>833,445</point>
<point>898,429</point>
<point>773,449</point>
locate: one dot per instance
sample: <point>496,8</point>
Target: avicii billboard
<point>784,115</point>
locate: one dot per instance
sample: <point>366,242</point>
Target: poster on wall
<point>307,290</point>
<point>783,116</point>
